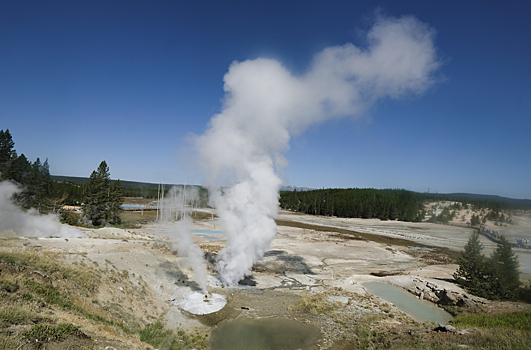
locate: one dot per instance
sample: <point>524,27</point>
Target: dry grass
<point>318,303</point>
<point>52,265</point>
<point>135,219</point>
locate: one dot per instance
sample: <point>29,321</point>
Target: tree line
<point>35,179</point>
<point>391,204</point>
<point>101,200</point>
<point>387,204</point>
<point>494,203</point>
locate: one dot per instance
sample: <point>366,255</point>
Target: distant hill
<point>293,188</point>
<point>125,184</point>
<point>483,199</point>
<point>147,185</point>
<point>486,198</point>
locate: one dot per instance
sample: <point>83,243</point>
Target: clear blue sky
<point>127,81</point>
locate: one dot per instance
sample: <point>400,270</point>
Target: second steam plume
<point>265,105</point>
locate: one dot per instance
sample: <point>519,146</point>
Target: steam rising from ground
<point>265,105</point>
<point>177,205</point>
<point>29,223</point>
<point>179,202</point>
<point>179,234</point>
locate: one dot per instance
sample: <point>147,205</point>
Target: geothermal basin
<point>317,274</point>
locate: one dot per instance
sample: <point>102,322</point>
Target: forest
<point>38,190</point>
<point>367,203</point>
<point>392,204</point>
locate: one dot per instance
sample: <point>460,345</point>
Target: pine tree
<point>7,150</point>
<point>472,269</point>
<point>101,202</point>
<point>19,170</point>
<point>96,197</point>
<point>116,200</point>
<point>504,267</point>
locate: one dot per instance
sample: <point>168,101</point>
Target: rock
<point>447,297</point>
<point>466,302</point>
<point>446,328</point>
<point>432,286</point>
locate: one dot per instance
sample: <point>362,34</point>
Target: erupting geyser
<point>265,105</point>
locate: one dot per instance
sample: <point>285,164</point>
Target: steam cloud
<point>176,205</point>
<point>29,223</point>
<point>179,234</point>
<point>265,105</point>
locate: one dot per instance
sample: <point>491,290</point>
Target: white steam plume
<point>177,205</point>
<point>180,235</point>
<point>30,223</point>
<point>179,202</point>
<point>265,105</point>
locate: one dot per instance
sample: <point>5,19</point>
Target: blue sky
<point>129,81</point>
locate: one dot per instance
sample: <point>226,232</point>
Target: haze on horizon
<point>129,82</point>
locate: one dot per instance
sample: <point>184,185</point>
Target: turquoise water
<point>210,234</point>
<point>275,333</point>
<point>419,310</point>
<point>209,237</point>
<point>136,206</point>
<point>207,231</point>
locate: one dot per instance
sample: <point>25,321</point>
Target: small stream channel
<point>273,333</point>
<point>419,310</point>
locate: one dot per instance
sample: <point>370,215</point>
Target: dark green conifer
<point>504,267</point>
<point>7,150</point>
<point>115,202</point>
<point>472,272</point>
<point>101,202</point>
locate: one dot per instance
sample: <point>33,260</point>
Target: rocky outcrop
<point>442,296</point>
<point>446,328</point>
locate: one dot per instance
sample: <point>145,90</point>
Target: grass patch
<point>46,332</point>
<point>314,303</point>
<point>51,264</point>
<point>9,286</point>
<point>134,219</point>
<point>516,321</point>
<point>51,295</point>
<point>15,314</point>
<point>165,339</point>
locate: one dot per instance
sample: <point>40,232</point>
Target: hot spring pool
<point>419,310</point>
<point>273,333</point>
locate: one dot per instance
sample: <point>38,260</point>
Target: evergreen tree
<point>504,267</point>
<point>115,202</point>
<point>19,170</point>
<point>472,272</point>
<point>101,202</point>
<point>474,221</point>
<point>7,150</point>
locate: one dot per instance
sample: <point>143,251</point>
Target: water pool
<point>273,333</point>
<point>419,310</point>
